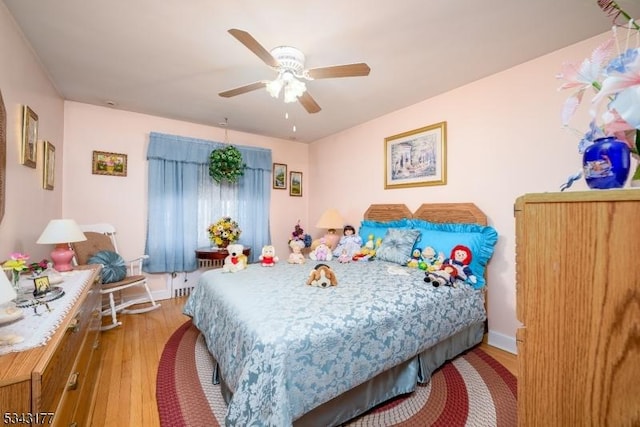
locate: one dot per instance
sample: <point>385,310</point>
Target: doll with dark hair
<point>349,244</point>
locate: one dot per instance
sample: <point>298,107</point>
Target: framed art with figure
<point>279,176</point>
<point>416,158</point>
<point>41,285</point>
<point>295,184</point>
<point>29,137</point>
<point>49,170</point>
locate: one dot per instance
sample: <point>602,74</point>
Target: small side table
<point>214,257</point>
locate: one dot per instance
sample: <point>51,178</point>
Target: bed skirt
<point>398,380</point>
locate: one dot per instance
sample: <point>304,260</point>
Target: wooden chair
<point>102,237</point>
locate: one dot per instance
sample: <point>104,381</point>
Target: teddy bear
<point>296,256</point>
<point>268,256</point>
<point>322,276</point>
<point>447,275</point>
<point>322,252</point>
<point>236,260</point>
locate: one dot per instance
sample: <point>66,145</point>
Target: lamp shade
<point>330,219</point>
<point>61,232</point>
<point>7,293</point>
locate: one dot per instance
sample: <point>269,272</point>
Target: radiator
<point>183,283</point>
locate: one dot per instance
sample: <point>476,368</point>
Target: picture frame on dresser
<point>416,158</point>
<point>29,137</point>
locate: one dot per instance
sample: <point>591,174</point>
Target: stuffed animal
<point>368,250</point>
<point>296,256</point>
<point>432,261</point>
<point>322,276</point>
<point>236,260</point>
<point>460,259</point>
<point>322,252</point>
<point>268,256</point>
<point>344,257</point>
<point>416,258</point>
<point>446,275</point>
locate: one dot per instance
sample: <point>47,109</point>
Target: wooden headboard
<point>465,213</point>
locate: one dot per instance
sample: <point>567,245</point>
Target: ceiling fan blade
<point>242,89</point>
<point>348,70</point>
<point>309,103</point>
<point>255,47</point>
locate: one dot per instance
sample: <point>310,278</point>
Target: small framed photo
<point>29,137</point>
<point>416,158</point>
<point>105,163</point>
<point>49,170</point>
<point>279,176</point>
<point>42,286</point>
<point>295,184</point>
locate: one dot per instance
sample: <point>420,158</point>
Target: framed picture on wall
<point>279,176</point>
<point>105,163</point>
<point>295,184</point>
<point>29,137</point>
<point>416,158</point>
<point>49,170</point>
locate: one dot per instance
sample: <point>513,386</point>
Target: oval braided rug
<point>471,390</point>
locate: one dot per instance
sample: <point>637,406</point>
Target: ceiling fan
<point>289,63</point>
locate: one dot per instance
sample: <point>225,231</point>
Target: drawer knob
<point>74,325</point>
<point>73,381</point>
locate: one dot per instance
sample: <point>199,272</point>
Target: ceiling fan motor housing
<point>290,59</point>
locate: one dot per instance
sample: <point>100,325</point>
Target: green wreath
<point>225,164</point>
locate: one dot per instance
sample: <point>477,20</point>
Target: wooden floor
<point>131,353</point>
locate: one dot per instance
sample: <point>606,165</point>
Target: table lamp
<point>61,232</point>
<point>8,310</point>
<point>331,220</point>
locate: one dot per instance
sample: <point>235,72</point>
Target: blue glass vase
<point>606,163</point>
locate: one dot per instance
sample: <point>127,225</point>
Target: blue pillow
<point>379,229</point>
<point>114,268</point>
<point>443,237</point>
<point>397,245</point>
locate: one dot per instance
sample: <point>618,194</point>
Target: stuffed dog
<point>322,276</point>
<point>236,260</point>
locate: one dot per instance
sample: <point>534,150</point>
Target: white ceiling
<point>171,58</point>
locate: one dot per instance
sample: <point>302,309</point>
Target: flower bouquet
<point>224,232</point>
<point>17,263</point>
<point>613,73</point>
<point>298,234</point>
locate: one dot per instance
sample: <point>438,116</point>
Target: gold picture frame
<point>295,184</point>
<point>416,158</point>
<point>105,163</point>
<point>29,137</point>
<point>279,176</point>
<point>49,169</point>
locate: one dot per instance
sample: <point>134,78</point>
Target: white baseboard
<point>503,342</point>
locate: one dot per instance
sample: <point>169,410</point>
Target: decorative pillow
<point>397,245</point>
<point>114,268</point>
<point>443,237</point>
<point>379,228</point>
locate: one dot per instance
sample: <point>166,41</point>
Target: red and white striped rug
<point>471,390</point>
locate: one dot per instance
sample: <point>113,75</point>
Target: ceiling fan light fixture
<point>274,87</point>
<point>293,90</point>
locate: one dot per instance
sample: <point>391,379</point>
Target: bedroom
<point>495,154</point>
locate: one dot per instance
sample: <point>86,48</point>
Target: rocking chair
<point>117,274</point>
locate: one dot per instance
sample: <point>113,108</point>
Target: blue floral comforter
<point>284,347</point>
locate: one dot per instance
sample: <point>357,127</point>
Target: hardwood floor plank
<point>131,353</point>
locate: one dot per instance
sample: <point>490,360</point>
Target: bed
<point>291,354</point>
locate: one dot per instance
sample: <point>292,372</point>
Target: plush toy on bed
<point>431,260</point>
<point>416,258</point>
<point>268,256</point>
<point>460,259</point>
<point>296,256</point>
<point>322,276</point>
<point>236,260</point>
<point>322,252</point>
<point>446,275</point>
<point>368,250</point>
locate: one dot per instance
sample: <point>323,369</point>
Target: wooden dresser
<point>60,377</point>
<point>578,297</point>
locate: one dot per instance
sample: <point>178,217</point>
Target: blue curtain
<point>175,163</point>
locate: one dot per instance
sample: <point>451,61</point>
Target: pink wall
<point>504,140</point>
<point>28,207</point>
